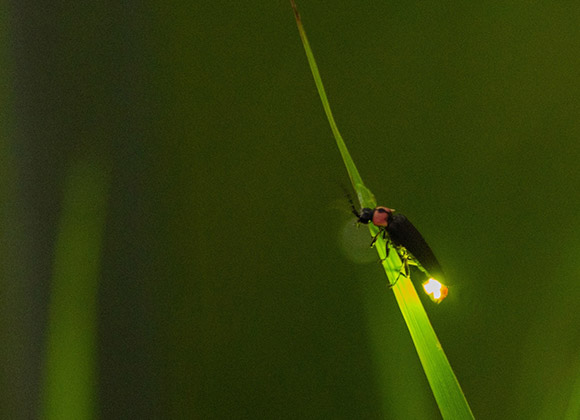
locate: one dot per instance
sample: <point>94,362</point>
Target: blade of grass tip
<point>442,379</point>
<point>353,173</point>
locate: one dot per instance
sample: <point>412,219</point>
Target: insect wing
<point>402,232</point>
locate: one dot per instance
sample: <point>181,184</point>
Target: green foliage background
<point>223,290</point>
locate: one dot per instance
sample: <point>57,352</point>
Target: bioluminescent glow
<point>436,291</point>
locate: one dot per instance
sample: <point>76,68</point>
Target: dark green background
<point>224,290</point>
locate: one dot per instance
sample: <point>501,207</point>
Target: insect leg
<point>387,243</point>
<point>377,236</point>
<point>405,270</point>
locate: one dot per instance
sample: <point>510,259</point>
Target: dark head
<point>366,215</point>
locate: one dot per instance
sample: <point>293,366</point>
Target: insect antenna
<point>349,198</point>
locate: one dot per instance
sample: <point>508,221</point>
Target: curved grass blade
<point>444,384</point>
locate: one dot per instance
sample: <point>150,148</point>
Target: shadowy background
<point>222,287</point>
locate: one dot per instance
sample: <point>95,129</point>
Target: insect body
<point>402,234</point>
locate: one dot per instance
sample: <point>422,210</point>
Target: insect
<point>410,244</point>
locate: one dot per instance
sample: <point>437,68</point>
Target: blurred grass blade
<point>573,408</point>
<point>70,373</point>
<point>444,384</point>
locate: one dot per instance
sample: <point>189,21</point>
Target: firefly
<point>396,228</point>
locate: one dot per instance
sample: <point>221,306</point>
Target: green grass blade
<point>573,408</point>
<point>355,178</point>
<point>70,371</point>
<point>444,384</point>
